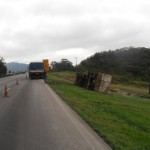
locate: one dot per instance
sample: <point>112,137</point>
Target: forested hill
<point>129,61</point>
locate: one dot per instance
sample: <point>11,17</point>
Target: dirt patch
<point>70,78</point>
<point>123,92</point>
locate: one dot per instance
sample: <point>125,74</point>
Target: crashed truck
<point>38,70</point>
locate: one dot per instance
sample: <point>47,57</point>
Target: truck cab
<point>36,70</point>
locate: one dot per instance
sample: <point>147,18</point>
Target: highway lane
<point>9,81</point>
<point>33,117</point>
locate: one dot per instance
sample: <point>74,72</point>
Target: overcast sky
<point>32,30</point>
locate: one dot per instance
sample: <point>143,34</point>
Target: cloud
<point>30,30</point>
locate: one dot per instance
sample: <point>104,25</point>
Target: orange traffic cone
<point>17,82</point>
<point>6,91</point>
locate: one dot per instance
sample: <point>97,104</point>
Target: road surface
<point>33,117</point>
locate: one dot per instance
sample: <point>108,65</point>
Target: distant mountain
<point>16,67</point>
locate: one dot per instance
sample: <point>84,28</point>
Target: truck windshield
<point>36,66</point>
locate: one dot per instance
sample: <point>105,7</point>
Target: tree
<point>125,61</point>
<point>64,65</point>
<point>3,68</point>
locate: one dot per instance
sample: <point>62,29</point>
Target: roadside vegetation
<point>122,120</point>
<point>130,86</point>
<point>130,61</point>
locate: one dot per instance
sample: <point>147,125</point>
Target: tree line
<point>63,65</point>
<point>125,61</point>
<point>3,68</point>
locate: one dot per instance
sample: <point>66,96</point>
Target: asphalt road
<point>10,81</point>
<point>33,117</point>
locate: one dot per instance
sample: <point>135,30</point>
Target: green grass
<point>141,91</point>
<point>122,121</point>
<point>130,85</point>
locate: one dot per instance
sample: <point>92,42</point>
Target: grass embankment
<point>122,121</point>
<point>130,86</point>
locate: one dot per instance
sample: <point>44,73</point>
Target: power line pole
<point>76,60</point>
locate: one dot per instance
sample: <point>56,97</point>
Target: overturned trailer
<point>94,81</point>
